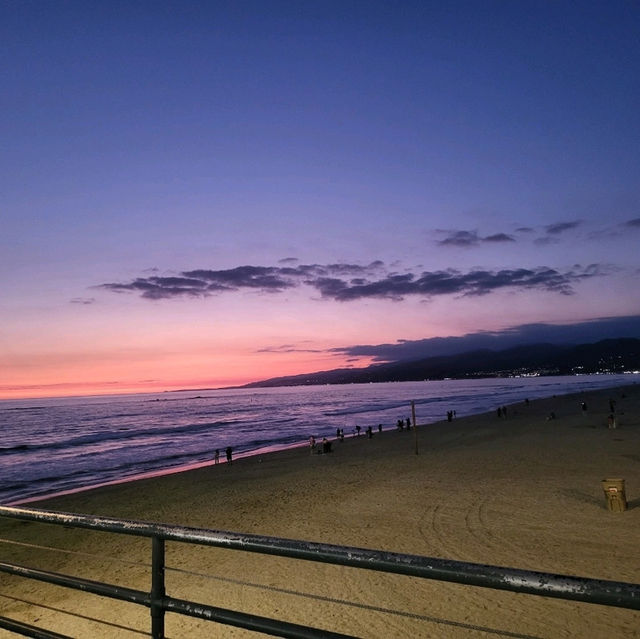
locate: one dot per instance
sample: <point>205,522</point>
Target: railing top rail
<point>611,593</point>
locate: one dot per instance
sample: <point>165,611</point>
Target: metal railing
<point>609,593</point>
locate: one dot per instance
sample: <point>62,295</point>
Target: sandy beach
<point>522,491</point>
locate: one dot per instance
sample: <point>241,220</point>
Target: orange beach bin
<point>615,494</point>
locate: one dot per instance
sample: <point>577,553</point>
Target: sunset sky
<point>203,194</point>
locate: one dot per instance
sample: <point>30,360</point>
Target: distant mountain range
<point>606,356</point>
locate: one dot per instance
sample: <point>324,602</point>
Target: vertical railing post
<point>157,588</point>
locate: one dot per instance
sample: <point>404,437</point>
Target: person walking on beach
<point>229,452</point>
<point>312,444</point>
<point>216,457</point>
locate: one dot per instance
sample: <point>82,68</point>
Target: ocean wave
<point>381,407</point>
<point>119,435</point>
<point>19,447</point>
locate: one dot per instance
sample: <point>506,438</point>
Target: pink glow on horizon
<point>232,374</point>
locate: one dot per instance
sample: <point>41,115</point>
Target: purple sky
<point>213,193</point>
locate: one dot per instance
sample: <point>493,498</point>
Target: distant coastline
<point>610,356</point>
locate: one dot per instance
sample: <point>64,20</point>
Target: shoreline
<point>151,475</point>
<point>521,492</point>
<point>238,454</point>
<point>266,450</point>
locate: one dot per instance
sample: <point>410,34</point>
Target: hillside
<point>607,356</point>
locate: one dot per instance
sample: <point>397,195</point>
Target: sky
<point>205,194</point>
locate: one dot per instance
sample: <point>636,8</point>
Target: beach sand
<point>523,492</point>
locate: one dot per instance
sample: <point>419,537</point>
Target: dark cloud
<point>156,288</point>
<point>203,282</point>
<point>561,227</point>
<point>460,238</point>
<point>453,282</point>
<point>635,223</point>
<point>391,287</point>
<point>266,278</point>
<point>498,237</point>
<point>577,333</point>
<point>466,239</point>
<point>346,282</point>
<point>524,229</point>
<point>83,300</point>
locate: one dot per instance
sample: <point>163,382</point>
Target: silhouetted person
<point>216,457</point>
<point>229,452</point>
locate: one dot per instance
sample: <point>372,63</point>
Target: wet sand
<point>522,492</point>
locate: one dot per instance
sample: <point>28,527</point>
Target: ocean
<point>58,445</point>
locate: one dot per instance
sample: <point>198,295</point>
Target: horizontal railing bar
<point>86,585</point>
<point>611,593</point>
<point>202,611</point>
<point>250,622</point>
<point>27,630</point>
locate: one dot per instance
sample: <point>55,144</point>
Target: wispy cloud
<point>348,282</point>
<point>634,224</point>
<point>289,348</point>
<point>561,227</point>
<point>549,234</point>
<point>467,239</point>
